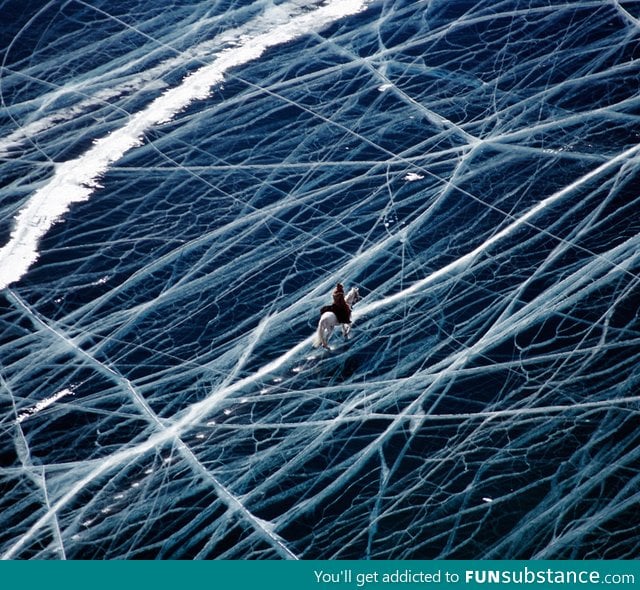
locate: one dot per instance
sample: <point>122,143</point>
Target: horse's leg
<point>328,323</point>
<point>320,339</point>
<point>325,328</point>
<point>322,334</point>
<point>326,334</point>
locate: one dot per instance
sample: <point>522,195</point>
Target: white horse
<point>328,321</point>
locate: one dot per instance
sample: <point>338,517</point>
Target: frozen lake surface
<point>181,186</point>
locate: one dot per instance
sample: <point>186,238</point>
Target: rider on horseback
<point>339,306</point>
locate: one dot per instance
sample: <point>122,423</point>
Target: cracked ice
<point>182,187</point>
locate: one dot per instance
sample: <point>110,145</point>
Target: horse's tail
<point>317,338</point>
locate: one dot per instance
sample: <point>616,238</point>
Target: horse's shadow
<point>338,363</point>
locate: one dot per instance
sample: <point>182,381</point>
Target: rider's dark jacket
<point>341,307</point>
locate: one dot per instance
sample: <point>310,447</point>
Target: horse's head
<point>353,296</point>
